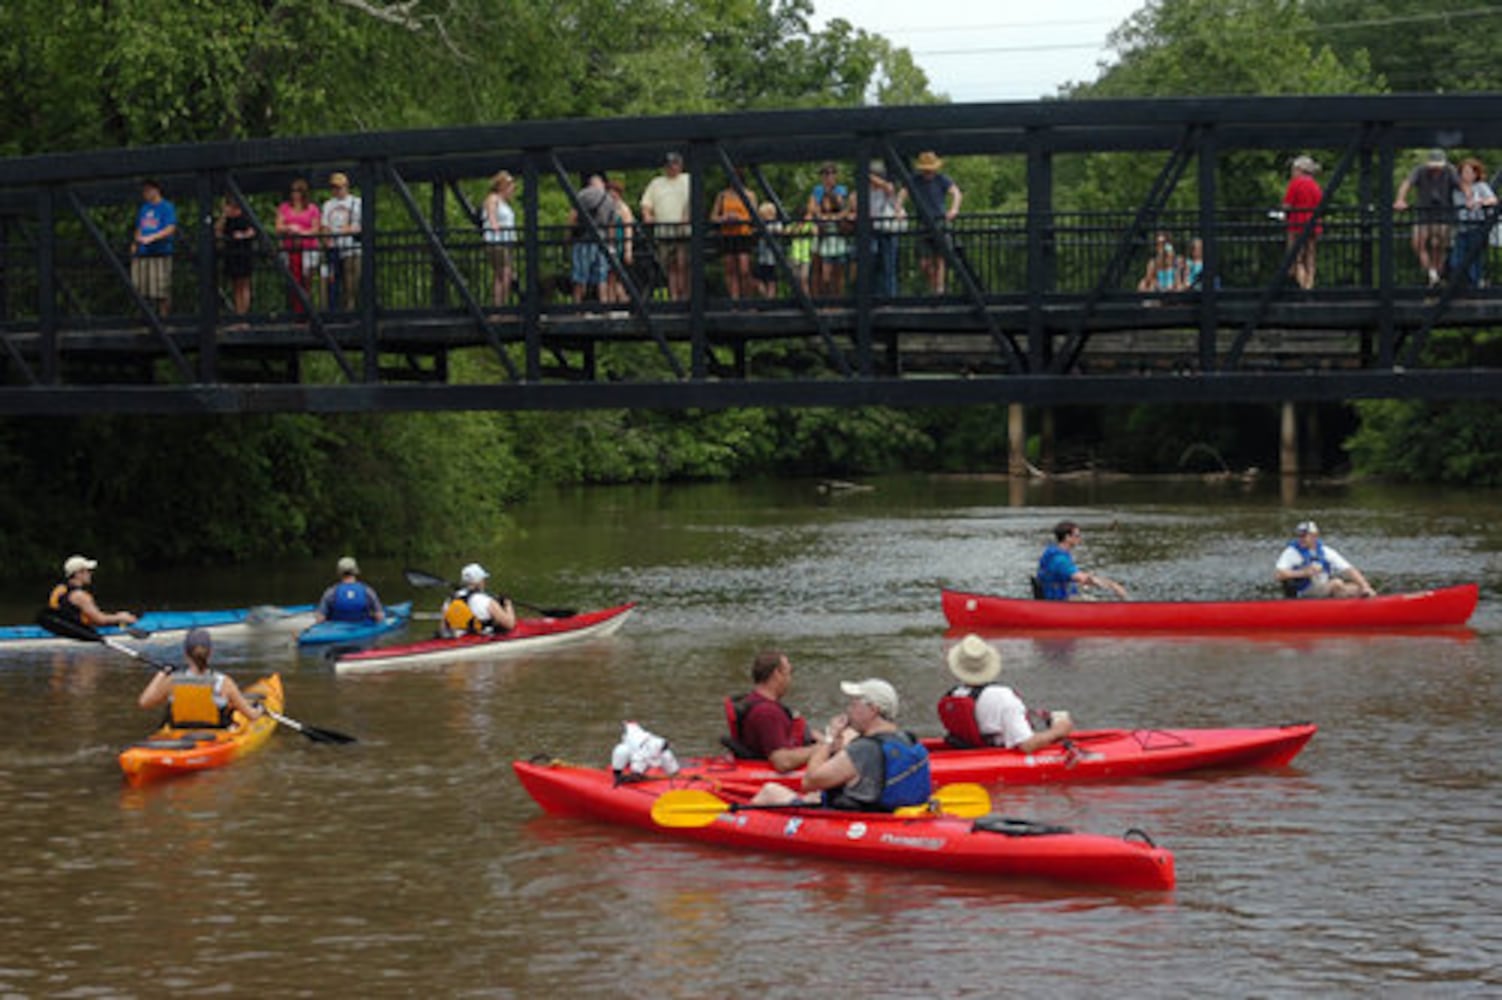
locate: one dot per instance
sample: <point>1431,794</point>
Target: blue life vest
<point>908,782</point>
<point>1305,558</point>
<point>351,603</point>
<point>1055,571</point>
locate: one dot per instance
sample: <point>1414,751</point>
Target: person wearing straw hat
<point>980,712</point>
<point>350,599</point>
<point>198,697</point>
<point>937,197</point>
<point>1307,567</point>
<point>73,598</point>
<point>879,769</point>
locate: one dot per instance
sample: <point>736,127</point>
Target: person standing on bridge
<point>664,209</point>
<point>590,263</point>
<point>297,223</point>
<point>1435,184</point>
<point>341,221</point>
<point>1471,207</point>
<point>937,198</point>
<point>1300,199</point>
<point>498,229</point>
<point>151,247</point>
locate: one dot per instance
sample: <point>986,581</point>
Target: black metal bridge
<point>1040,305</point>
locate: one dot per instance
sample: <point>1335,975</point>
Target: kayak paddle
<point>69,629</point>
<point>418,578</point>
<point>692,807</point>
<point>74,630</point>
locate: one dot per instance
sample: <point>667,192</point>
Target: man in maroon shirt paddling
<point>768,728</point>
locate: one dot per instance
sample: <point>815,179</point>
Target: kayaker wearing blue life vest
<point>980,712</point>
<point>351,599</point>
<point>880,769</point>
<point>199,697</point>
<point>1313,569</point>
<point>471,611</point>
<point>762,727</point>
<point>1060,578</point>
<point>73,598</point>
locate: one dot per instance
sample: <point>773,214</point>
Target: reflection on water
<point>413,861</point>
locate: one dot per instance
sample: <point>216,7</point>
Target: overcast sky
<point>1007,51</point>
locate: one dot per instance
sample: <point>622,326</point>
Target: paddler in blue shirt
<point>1058,575</point>
<point>351,599</point>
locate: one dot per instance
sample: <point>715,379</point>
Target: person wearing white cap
<point>980,712</point>
<point>1307,567</point>
<point>472,611</point>
<point>199,697</point>
<point>350,599</point>
<point>73,598</point>
<point>878,770</point>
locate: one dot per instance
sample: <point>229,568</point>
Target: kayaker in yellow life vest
<point>200,697</point>
<point>472,611</point>
<point>73,599</point>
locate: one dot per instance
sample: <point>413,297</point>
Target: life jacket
<point>957,712</point>
<point>737,707</point>
<point>198,701</point>
<point>1055,587</point>
<point>905,775</point>
<point>351,603</point>
<point>458,618</point>
<point>59,605</point>
<point>1305,558</point>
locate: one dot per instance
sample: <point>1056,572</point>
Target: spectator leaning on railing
<point>1434,183</point>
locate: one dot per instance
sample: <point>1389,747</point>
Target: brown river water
<point>413,864</point>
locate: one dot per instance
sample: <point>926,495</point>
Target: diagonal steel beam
<point>113,260</point>
<point>1016,360</point>
<point>440,252</point>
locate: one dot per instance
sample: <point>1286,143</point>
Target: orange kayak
<point>170,751</point>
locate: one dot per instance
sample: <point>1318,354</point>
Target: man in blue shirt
<point>151,247</point>
<point>1060,578</point>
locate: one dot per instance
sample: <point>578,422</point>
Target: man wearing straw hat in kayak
<point>1311,568</point>
<point>73,599</point>
<point>980,712</point>
<point>879,769</point>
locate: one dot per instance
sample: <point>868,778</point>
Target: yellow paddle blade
<point>966,800</point>
<point>687,807</point>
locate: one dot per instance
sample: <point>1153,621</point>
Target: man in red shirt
<point>768,728</point>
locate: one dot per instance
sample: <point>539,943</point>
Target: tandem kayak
<point>529,635</point>
<point>223,624</point>
<point>325,633</point>
<point>169,751</point>
<point>1444,606</point>
<point>1094,755</point>
<point>986,846</point>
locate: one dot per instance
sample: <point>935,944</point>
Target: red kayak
<point>1445,606</point>
<point>1095,755</point>
<point>529,635</point>
<point>987,845</point>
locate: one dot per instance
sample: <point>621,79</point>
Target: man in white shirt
<point>1000,717</point>
<point>1313,569</point>
<point>665,209</point>
<point>341,222</point>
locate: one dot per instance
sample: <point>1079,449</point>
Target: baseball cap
<point>347,564</point>
<point>1306,527</point>
<point>198,638</point>
<point>874,690</point>
<point>76,563</point>
<point>473,573</point>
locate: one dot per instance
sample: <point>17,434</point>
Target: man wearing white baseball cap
<point>472,611</point>
<point>881,769</point>
<point>73,598</point>
<point>980,712</point>
<point>1307,567</point>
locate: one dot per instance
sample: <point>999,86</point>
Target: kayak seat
<point>737,749</point>
<point>179,744</point>
<point>1037,587</point>
<point>1010,827</point>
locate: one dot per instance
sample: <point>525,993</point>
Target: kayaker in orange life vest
<point>881,769</point>
<point>199,696</point>
<point>763,728</point>
<point>73,599</point>
<point>981,712</point>
<point>472,611</point>
<point>351,599</point>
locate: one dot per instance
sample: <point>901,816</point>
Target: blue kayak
<point>323,633</point>
<point>226,623</point>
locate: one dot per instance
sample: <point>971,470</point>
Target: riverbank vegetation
<point>168,491</point>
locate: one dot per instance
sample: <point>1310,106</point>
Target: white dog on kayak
<point>638,752</point>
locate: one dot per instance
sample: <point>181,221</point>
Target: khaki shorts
<point>152,276</point>
<point>1437,231</point>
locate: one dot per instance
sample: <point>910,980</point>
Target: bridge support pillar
<point>1046,457</point>
<point>1016,440</point>
<point>1288,442</point>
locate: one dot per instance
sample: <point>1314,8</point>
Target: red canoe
<point>1096,755</point>
<point>530,634</point>
<point>1446,606</point>
<point>942,842</point>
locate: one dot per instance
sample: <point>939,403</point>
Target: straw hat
<point>974,661</point>
<point>928,161</point>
